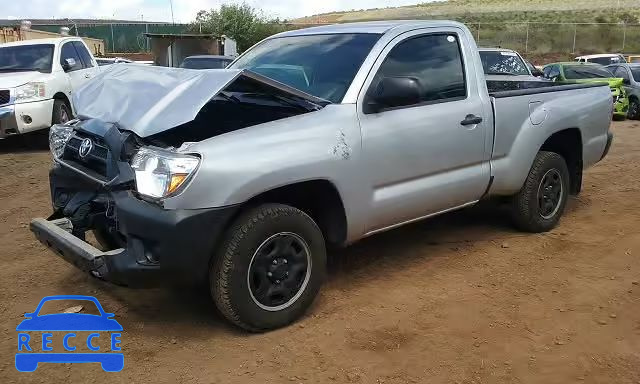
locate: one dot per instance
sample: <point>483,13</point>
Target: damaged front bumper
<point>158,246</point>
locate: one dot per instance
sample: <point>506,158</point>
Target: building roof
<point>67,22</point>
<point>374,27</point>
<point>179,36</point>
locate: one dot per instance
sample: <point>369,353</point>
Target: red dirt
<point>459,299</point>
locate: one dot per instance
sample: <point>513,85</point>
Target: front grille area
<point>4,96</point>
<point>94,161</point>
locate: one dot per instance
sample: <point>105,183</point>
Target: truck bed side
<point>527,117</point>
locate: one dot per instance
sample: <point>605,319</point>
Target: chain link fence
<point>121,38</point>
<point>559,38</point>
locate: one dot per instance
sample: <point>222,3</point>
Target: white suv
<point>37,79</point>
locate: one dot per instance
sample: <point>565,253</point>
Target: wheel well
<point>317,198</point>
<point>63,97</point>
<point>568,144</point>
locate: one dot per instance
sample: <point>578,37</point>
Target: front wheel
<point>543,197</point>
<point>61,112</point>
<point>269,269</point>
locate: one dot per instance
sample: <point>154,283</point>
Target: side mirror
<point>68,64</point>
<point>393,92</point>
<point>536,72</point>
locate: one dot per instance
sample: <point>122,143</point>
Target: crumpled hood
<point>148,100</point>
<point>16,79</point>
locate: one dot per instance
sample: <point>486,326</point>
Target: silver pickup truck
<point>242,177</point>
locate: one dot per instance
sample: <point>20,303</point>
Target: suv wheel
<point>634,109</point>
<point>269,269</point>
<point>542,200</point>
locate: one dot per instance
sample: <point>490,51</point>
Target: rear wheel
<point>269,269</point>
<point>634,109</point>
<point>543,197</point>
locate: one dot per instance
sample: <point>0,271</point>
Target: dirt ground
<point>458,299</point>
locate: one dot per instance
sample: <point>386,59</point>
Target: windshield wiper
<point>289,101</point>
<point>229,97</point>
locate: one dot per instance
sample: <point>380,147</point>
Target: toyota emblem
<point>85,147</point>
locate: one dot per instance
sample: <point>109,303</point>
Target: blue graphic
<point>69,322</point>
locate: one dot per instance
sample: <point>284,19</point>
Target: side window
<point>622,72</point>
<point>69,52</point>
<point>84,54</point>
<point>432,62</point>
<point>552,72</point>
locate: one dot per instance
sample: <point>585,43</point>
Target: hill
<point>488,11</point>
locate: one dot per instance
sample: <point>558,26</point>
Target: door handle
<point>87,76</point>
<point>471,119</point>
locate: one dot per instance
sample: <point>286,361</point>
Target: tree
<point>241,22</point>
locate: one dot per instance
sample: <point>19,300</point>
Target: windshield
<point>205,63</point>
<point>503,63</point>
<point>321,65</point>
<point>37,57</point>
<point>606,60</point>
<point>576,72</point>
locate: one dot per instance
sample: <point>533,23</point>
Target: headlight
<point>30,92</point>
<point>58,137</point>
<point>161,173</point>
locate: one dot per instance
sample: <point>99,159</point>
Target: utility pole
<point>173,20</point>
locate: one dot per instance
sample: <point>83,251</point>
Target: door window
<point>434,61</point>
<point>69,52</point>
<point>622,72</point>
<point>84,54</point>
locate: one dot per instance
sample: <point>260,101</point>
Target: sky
<point>184,10</point>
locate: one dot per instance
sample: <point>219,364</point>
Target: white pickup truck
<point>37,79</point>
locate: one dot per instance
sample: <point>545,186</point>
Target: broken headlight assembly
<point>59,135</point>
<point>160,173</point>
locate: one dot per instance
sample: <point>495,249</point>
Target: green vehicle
<point>574,73</point>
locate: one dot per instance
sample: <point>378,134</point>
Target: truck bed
<point>528,112</point>
<point>508,88</point>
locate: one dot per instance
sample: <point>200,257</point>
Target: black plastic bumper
<point>162,246</point>
<point>608,146</point>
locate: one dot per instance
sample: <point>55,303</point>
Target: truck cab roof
<point>374,27</point>
<point>54,41</point>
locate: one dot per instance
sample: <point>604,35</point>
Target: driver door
<point>430,155</point>
<point>78,71</point>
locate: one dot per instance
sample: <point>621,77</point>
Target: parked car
<point>232,178</point>
<point>633,59</point>
<point>102,61</point>
<point>630,75</point>
<point>602,59</point>
<point>503,64</point>
<point>37,80</point>
<point>572,72</point>
<point>206,62</point>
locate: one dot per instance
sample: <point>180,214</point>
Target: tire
<point>634,110</point>
<point>531,210</point>
<point>240,276</point>
<point>61,112</point>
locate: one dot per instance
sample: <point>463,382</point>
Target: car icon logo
<point>85,148</point>
<point>101,327</point>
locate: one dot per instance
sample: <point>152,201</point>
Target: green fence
<point>118,37</point>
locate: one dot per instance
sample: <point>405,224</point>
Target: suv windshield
<point>576,72</point>
<point>502,63</point>
<point>205,63</point>
<point>321,65</point>
<point>37,57</point>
